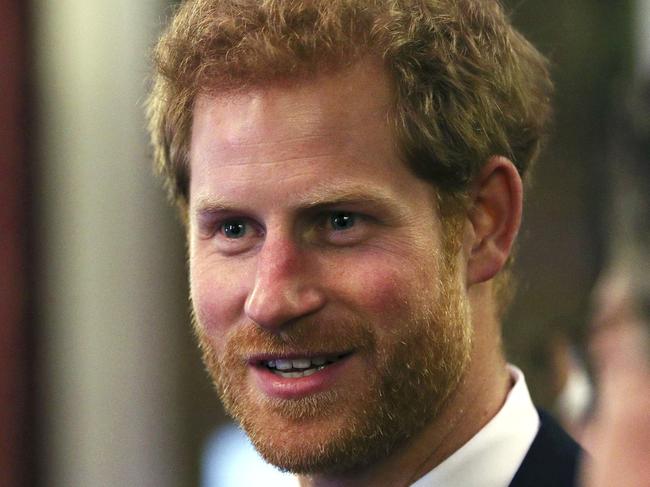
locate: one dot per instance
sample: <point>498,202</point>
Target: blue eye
<point>234,229</point>
<point>342,220</point>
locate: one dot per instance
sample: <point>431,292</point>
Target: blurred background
<point>100,382</point>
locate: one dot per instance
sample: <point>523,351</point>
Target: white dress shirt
<point>493,455</point>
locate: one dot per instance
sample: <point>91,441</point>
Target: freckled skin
<point>264,158</point>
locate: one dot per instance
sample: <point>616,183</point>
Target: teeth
<point>302,363</point>
<point>295,375</point>
<point>300,367</point>
<point>282,364</point>
<point>291,375</point>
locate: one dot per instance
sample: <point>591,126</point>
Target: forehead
<point>332,129</point>
<point>354,95</point>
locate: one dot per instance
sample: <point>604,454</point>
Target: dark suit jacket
<point>552,460</point>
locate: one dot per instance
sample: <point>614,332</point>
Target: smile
<point>299,367</point>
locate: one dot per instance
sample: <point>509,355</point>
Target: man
<point>350,175</point>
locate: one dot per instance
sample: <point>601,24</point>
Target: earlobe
<point>495,216</point>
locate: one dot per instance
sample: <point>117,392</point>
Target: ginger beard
<point>410,372</point>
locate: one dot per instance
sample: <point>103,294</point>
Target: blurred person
<point>350,177</point>
<point>618,435</point>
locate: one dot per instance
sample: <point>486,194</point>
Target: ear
<point>495,216</point>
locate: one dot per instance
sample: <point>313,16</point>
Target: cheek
<point>217,297</point>
<point>384,287</point>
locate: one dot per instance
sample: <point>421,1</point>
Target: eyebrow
<point>312,199</point>
<point>211,204</point>
<point>354,195</point>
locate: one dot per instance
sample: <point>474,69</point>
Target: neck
<point>478,397</point>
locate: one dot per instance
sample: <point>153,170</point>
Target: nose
<point>285,287</point>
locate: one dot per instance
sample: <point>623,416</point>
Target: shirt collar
<point>493,455</point>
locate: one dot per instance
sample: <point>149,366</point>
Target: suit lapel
<point>552,460</point>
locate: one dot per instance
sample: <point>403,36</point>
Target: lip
<point>279,387</point>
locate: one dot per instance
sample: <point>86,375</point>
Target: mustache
<point>308,336</point>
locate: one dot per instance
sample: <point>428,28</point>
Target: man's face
<point>330,318</point>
